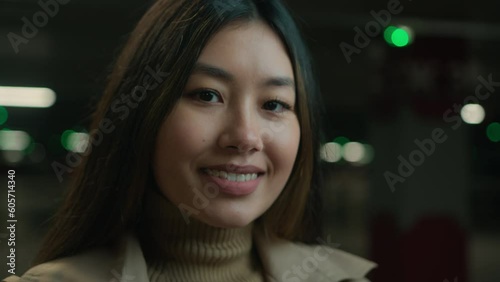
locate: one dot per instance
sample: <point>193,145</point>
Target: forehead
<point>250,49</point>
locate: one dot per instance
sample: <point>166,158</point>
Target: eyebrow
<point>216,72</point>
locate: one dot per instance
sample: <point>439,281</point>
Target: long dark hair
<point>105,199</point>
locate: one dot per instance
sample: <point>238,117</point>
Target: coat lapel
<point>293,262</point>
<point>133,265</point>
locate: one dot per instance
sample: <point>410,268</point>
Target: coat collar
<point>282,261</point>
<point>289,261</point>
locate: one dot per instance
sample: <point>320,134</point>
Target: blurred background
<point>413,122</point>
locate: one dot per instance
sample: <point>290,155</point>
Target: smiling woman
<point>220,127</point>
<point>213,175</point>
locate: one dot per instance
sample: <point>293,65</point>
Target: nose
<point>242,133</point>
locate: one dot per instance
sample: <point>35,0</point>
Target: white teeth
<point>236,177</point>
<point>231,177</point>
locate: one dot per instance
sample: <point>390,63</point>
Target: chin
<point>227,220</point>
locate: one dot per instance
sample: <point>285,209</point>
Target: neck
<point>194,251</point>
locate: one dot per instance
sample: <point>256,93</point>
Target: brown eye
<point>207,96</point>
<point>276,106</point>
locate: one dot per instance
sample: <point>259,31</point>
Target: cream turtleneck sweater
<point>178,251</point>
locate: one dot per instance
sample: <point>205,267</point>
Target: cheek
<point>181,138</point>
<point>284,147</point>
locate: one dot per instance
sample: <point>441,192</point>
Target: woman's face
<point>226,151</point>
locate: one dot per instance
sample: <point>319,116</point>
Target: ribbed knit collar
<point>179,251</point>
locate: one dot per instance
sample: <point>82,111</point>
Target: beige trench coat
<point>283,261</point>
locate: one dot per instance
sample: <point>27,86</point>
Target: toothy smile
<point>236,177</point>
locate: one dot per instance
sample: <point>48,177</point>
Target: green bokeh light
<point>65,138</point>
<point>400,37</point>
<point>397,36</point>
<point>341,140</point>
<point>388,33</point>
<point>4,115</point>
<point>493,132</point>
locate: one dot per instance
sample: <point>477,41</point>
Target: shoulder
<point>91,266</point>
<point>291,261</point>
<point>122,262</point>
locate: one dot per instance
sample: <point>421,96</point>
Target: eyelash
<point>285,105</point>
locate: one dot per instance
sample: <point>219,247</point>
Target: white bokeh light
<point>472,113</point>
<point>354,152</point>
<point>331,152</point>
<point>31,97</point>
<point>14,140</point>
<point>78,142</point>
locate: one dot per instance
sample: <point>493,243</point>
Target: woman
<point>203,162</point>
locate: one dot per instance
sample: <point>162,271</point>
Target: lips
<point>245,183</point>
<point>233,188</point>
